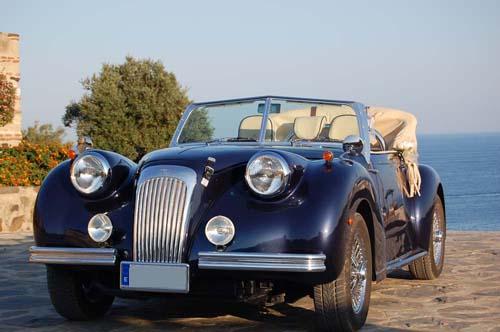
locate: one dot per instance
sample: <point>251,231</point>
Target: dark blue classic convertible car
<point>255,199</point>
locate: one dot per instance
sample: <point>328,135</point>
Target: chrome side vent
<point>161,213</point>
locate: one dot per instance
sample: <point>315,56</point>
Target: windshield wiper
<point>232,139</point>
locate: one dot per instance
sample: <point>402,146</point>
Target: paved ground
<point>465,298</point>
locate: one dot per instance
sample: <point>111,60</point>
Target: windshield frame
<point>358,108</point>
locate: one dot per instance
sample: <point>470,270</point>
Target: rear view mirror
<point>275,108</point>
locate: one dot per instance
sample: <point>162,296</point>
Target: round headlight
<point>219,230</point>
<point>100,228</point>
<point>267,174</point>
<point>89,172</point>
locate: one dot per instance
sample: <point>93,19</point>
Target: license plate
<point>154,277</point>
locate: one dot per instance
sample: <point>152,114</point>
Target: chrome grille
<point>162,204</point>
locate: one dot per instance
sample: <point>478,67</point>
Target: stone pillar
<point>10,134</point>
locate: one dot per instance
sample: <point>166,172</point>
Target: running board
<point>402,261</point>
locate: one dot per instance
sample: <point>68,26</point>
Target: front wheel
<point>342,304</point>
<point>430,266</point>
<point>73,296</point>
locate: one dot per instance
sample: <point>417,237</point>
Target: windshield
<point>223,122</point>
<point>287,121</point>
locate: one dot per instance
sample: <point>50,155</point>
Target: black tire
<point>333,302</point>
<point>73,297</point>
<point>428,267</point>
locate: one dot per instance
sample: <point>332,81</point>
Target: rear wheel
<point>430,266</point>
<point>342,305</point>
<point>73,295</point>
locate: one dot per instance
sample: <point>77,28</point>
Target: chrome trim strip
<point>263,125</point>
<point>72,256</point>
<point>404,260</point>
<point>261,261</point>
<point>385,152</point>
<point>295,99</point>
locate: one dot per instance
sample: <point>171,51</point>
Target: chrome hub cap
<point>437,238</point>
<point>358,280</point>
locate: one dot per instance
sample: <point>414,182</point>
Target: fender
<point>364,201</point>
<point>61,214</point>
<point>423,205</point>
<point>309,220</point>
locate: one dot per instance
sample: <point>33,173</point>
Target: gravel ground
<point>465,298</point>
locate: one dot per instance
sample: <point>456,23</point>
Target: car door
<point>396,219</point>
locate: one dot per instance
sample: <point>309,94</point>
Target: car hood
<point>227,184</point>
<point>226,155</point>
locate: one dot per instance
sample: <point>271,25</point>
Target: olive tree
<point>131,108</point>
<point>43,134</point>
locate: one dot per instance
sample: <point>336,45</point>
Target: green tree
<point>7,100</point>
<point>130,108</point>
<point>197,128</point>
<point>43,134</point>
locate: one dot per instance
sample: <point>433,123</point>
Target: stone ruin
<point>10,134</point>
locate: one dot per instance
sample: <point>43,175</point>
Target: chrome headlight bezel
<point>283,172</point>
<point>104,171</point>
<point>100,228</point>
<point>212,230</point>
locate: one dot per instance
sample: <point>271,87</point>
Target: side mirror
<point>84,143</point>
<point>353,144</point>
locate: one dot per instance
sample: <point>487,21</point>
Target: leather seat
<point>308,127</point>
<point>283,122</point>
<point>250,128</point>
<point>343,126</point>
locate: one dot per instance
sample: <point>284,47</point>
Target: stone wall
<point>10,134</point>
<point>16,208</point>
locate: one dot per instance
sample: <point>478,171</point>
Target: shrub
<point>28,164</point>
<point>7,100</point>
<point>43,134</point>
<point>130,108</point>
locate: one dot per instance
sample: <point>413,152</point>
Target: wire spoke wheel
<point>431,265</point>
<point>437,237</point>
<point>342,304</point>
<point>358,274</point>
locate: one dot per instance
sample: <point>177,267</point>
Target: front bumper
<point>73,256</point>
<point>236,261</point>
<point>244,261</point>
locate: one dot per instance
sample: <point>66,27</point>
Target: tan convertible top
<point>399,130</point>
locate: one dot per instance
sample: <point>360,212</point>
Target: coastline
<point>470,177</point>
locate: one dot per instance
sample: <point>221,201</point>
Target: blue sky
<point>437,59</point>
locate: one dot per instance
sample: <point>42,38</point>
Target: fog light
<point>100,228</point>
<point>219,230</point>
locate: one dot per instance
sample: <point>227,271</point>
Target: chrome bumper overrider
<point>261,261</point>
<point>73,256</point>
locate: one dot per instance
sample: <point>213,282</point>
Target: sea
<point>469,167</point>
